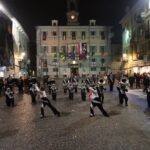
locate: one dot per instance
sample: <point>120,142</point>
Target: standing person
<point>1,85</point>
<point>33,93</point>
<point>100,89</point>
<point>65,83</point>
<point>54,92</point>
<point>137,80</point>
<point>95,101</point>
<point>148,96</point>
<point>45,101</point>
<point>131,81</point>
<point>111,80</point>
<point>145,82</point>
<point>122,88</point>
<point>83,91</point>
<point>9,97</point>
<point>71,91</point>
<point>20,85</point>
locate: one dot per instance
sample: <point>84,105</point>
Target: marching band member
<point>95,101</point>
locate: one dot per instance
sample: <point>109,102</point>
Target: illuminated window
<point>44,36</point>
<point>54,33</point>
<point>93,49</point>
<point>54,49</point>
<point>73,35</point>
<point>102,50</point>
<point>83,35</point>
<point>93,33</point>
<point>64,35</point>
<point>149,4</point>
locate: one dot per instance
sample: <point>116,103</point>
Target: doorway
<point>74,71</point>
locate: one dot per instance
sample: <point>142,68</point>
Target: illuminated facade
<point>67,50</point>
<point>13,46</point>
<point>72,49</point>
<point>136,38</point>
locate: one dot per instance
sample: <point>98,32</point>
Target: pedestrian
<point>33,93</point>
<point>83,91</point>
<point>95,101</point>
<point>20,85</point>
<point>45,101</point>
<point>148,96</point>
<point>111,80</point>
<point>9,97</point>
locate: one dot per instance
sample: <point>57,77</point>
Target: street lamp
<point>22,55</point>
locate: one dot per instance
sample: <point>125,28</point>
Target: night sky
<point>31,13</point>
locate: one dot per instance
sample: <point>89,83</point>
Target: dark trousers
<point>111,86</point>
<point>122,98</point>
<point>83,95</point>
<point>48,103</point>
<point>102,98</point>
<point>54,96</point>
<point>100,106</point>
<point>33,97</point>
<point>71,96</point>
<point>10,101</point>
<point>148,101</point>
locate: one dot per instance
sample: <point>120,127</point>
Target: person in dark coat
<point>33,93</point>
<point>148,96</point>
<point>111,80</point>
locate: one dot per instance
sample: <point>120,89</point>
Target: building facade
<point>13,46</point>
<point>72,49</point>
<point>136,38</point>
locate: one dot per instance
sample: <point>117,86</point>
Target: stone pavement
<point>127,128</point>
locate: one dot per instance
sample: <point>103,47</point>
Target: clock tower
<point>72,12</point>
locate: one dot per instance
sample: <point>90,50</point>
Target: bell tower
<point>72,12</point>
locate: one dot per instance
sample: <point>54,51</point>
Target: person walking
<point>33,93</point>
<point>111,80</point>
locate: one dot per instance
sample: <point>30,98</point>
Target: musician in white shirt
<point>45,101</point>
<point>96,101</point>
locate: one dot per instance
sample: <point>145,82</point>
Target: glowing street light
<point>23,55</point>
<point>4,10</point>
<point>1,7</point>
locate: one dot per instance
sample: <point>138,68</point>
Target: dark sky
<point>31,13</point>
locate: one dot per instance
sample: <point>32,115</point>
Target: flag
<point>79,48</point>
<point>62,57</point>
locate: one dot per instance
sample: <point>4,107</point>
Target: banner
<point>82,50</point>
